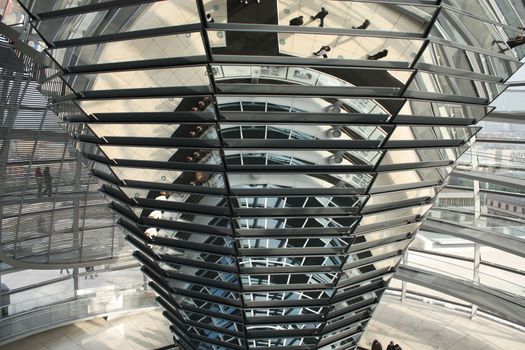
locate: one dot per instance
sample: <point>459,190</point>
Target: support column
<point>403,283</point>
<point>477,214</point>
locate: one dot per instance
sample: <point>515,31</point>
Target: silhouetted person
<point>323,51</point>
<point>397,347</point>
<point>39,178</point>
<point>512,42</point>
<point>5,300</point>
<point>48,182</point>
<point>90,269</point>
<point>391,346</point>
<point>40,223</point>
<point>376,345</point>
<point>297,21</point>
<point>365,25</point>
<point>67,271</point>
<point>320,15</point>
<point>377,56</point>
<point>209,18</point>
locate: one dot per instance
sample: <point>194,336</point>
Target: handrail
<point>64,278</point>
<point>505,305</point>
<point>95,305</point>
<point>462,258</point>
<point>70,296</point>
<point>455,305</point>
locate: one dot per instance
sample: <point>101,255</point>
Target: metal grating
<point>44,223</point>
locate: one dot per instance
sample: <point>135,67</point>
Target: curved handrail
<point>97,304</point>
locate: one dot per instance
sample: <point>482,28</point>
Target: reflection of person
<point>39,181</point>
<point>379,55</point>
<point>90,269</point>
<point>151,232</point>
<point>323,51</point>
<point>48,182</point>
<point>162,196</point>
<point>320,15</point>
<point>335,107</point>
<point>5,300</point>
<point>365,25</point>
<point>297,21</point>
<point>376,345</point>
<point>512,42</point>
<point>40,223</point>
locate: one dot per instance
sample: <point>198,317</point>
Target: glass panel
<point>137,79</point>
<point>265,180</point>
<point>288,158</point>
<point>465,29</point>
<point>393,157</point>
<point>153,130</point>
<point>187,155</point>
<point>352,15</point>
<point>337,77</point>
<point>429,84</point>
<point>204,179</point>
<point>398,214</point>
<point>301,104</point>
<point>303,132</point>
<point>345,47</point>
<point>124,19</point>
<point>188,44</point>
<point>459,58</point>
<point>401,196</point>
<point>442,110</point>
<point>139,105</point>
<point>247,224</point>
<point>414,177</point>
<point>297,202</point>
<point>432,133</point>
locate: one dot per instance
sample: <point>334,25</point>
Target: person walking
<point>377,56</point>
<point>48,182</point>
<point>39,181</point>
<point>512,43</point>
<point>297,21</point>
<point>376,345</point>
<point>323,51</point>
<point>321,16</point>
<point>365,25</point>
<point>391,346</point>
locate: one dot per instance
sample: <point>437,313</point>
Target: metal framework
<point>63,222</point>
<point>270,194</point>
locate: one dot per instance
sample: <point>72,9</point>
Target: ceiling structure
<point>265,188</point>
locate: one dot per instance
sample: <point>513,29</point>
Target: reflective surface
<point>269,175</point>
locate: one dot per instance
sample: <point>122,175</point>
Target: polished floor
<point>413,325</point>
<point>143,330</point>
<point>419,326</point>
